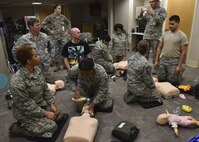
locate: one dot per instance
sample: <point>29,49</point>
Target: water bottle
<point>177,111</point>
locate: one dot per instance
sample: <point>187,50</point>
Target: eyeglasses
<point>153,1</point>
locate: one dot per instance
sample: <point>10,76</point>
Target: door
<point>185,9</point>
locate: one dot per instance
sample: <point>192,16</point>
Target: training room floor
<point>143,118</point>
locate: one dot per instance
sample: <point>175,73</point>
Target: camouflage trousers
<point>108,66</point>
<point>58,44</point>
<point>42,127</point>
<point>143,95</point>
<point>38,127</point>
<point>152,44</point>
<point>166,71</point>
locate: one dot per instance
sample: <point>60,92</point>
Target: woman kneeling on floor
<point>140,85</point>
<point>33,104</point>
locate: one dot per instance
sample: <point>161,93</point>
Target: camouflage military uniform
<point>153,29</point>
<point>42,45</point>
<point>30,96</point>
<point>139,81</point>
<point>59,24</point>
<point>166,70</point>
<point>118,46</point>
<point>101,56</point>
<point>171,52</point>
<point>87,37</point>
<point>96,88</point>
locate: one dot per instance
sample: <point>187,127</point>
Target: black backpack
<point>125,131</point>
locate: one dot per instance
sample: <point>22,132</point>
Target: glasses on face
<point>153,1</point>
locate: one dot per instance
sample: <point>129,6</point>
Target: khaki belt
<point>169,58</point>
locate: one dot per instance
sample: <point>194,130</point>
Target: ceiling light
<point>36,3</point>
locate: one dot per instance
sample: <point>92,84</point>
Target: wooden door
<point>185,9</point>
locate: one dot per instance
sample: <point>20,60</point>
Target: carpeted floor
<point>143,118</point>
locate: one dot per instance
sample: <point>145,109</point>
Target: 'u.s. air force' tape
<point>3,81</point>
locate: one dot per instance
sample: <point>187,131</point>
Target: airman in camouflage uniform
<point>172,48</point>
<point>101,54</point>
<point>33,104</point>
<point>91,81</point>
<point>118,43</point>
<point>140,85</point>
<point>154,18</point>
<point>58,31</point>
<point>41,43</point>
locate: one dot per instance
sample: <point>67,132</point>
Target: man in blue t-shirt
<point>75,49</point>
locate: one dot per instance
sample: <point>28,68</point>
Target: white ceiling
<point>44,2</point>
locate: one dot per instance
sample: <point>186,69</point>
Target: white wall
<point>193,51</point>
<point>136,3</point>
<point>121,12</point>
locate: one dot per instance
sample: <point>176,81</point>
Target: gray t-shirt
<point>172,43</point>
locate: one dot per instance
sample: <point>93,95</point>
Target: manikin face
<point>36,27</point>
<point>58,10</point>
<point>35,60</point>
<point>162,119</point>
<point>173,26</point>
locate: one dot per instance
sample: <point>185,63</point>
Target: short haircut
<point>175,18</point>
<point>73,30</point>
<point>56,5</point>
<point>142,46</point>
<point>106,38</point>
<point>31,21</point>
<point>86,64</point>
<point>118,26</point>
<point>23,53</point>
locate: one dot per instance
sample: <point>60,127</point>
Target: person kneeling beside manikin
<point>175,120</point>
<point>90,80</point>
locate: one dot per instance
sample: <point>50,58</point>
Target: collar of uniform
<point>29,75</point>
<point>119,35</point>
<point>157,8</point>
<point>55,16</point>
<point>139,54</point>
<point>32,37</point>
